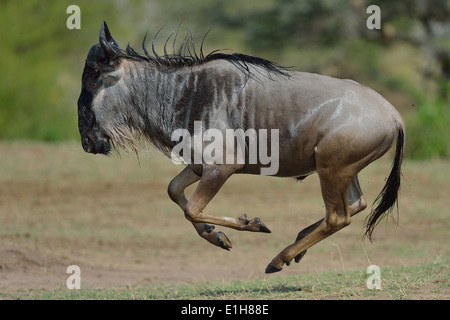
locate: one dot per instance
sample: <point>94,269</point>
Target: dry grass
<point>113,218</point>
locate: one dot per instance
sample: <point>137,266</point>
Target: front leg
<point>176,192</point>
<point>213,178</point>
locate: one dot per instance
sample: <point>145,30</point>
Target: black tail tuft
<point>387,198</point>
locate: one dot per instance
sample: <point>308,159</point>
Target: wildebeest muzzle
<point>94,141</point>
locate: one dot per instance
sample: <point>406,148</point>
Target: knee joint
<point>190,214</point>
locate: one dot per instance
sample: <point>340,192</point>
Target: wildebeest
<point>328,126</point>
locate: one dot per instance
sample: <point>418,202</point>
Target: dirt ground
<point>112,217</point>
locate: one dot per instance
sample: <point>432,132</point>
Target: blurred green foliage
<point>30,62</point>
<point>428,130</point>
<point>407,60</point>
<point>41,61</point>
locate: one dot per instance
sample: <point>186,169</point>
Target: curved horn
<point>108,44</point>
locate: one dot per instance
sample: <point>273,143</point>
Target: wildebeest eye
<point>94,85</point>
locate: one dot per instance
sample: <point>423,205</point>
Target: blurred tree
<point>276,25</point>
<point>284,23</point>
<point>425,25</point>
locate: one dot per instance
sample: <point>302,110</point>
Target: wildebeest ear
<point>109,45</point>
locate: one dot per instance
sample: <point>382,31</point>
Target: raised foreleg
<point>212,179</point>
<point>176,192</point>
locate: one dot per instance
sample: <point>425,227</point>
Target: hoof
<point>262,226</point>
<point>223,241</point>
<point>272,269</point>
<point>300,256</point>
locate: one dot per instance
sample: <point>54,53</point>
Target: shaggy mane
<point>187,56</point>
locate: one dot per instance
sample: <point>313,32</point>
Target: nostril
<point>88,144</point>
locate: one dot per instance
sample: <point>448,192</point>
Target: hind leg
<point>335,184</point>
<point>356,203</point>
<point>355,198</point>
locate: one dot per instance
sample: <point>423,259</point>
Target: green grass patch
<point>422,281</point>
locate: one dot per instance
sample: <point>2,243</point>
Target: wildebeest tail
<point>388,197</point>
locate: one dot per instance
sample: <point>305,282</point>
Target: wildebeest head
<point>102,70</point>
